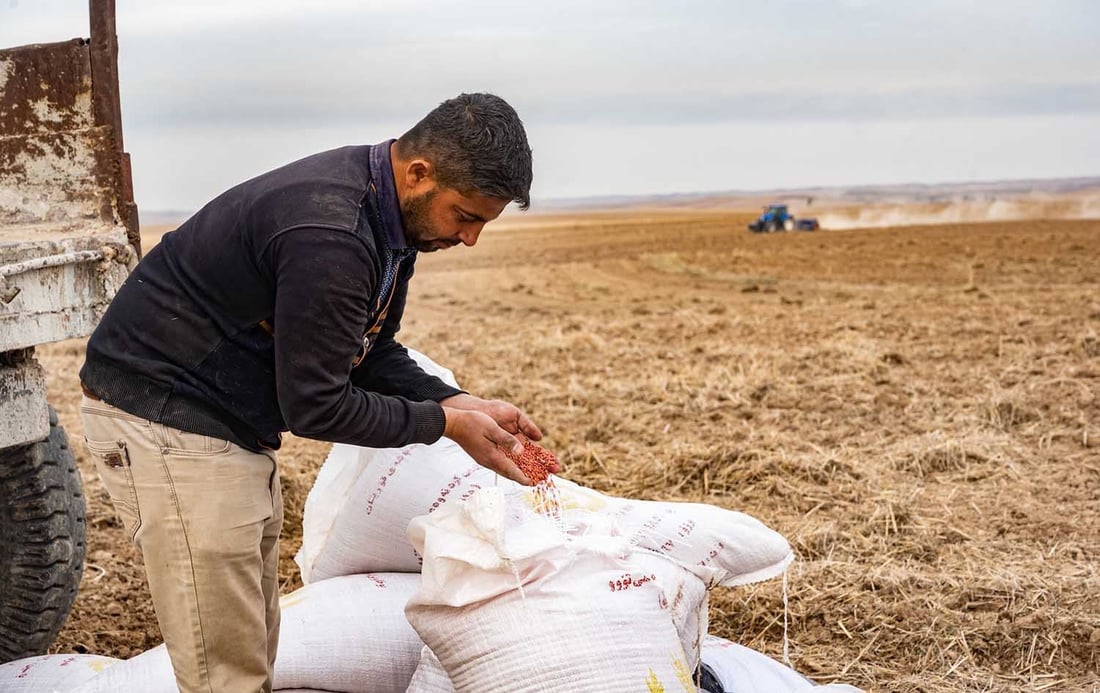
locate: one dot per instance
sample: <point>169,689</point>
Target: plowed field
<point>916,408</point>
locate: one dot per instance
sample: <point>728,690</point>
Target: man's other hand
<point>508,416</point>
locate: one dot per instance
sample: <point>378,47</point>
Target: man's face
<point>440,217</point>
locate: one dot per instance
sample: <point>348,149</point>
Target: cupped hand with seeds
<point>484,440</point>
<point>487,430</point>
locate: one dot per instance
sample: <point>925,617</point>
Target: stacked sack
<point>426,572</point>
<point>56,672</point>
<point>511,601</point>
<point>348,634</point>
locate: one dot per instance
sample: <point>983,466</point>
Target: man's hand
<point>484,440</point>
<point>508,416</point>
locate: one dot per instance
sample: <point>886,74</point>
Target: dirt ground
<point>916,408</point>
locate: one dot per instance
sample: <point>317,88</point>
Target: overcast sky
<point>619,97</point>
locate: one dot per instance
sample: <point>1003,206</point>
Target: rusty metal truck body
<point>68,239</point>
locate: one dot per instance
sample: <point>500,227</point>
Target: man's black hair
<point>477,143</point>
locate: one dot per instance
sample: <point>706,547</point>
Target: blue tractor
<point>776,217</point>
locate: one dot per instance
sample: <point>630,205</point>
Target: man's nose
<point>470,235</point>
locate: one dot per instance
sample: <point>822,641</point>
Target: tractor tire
<point>42,531</point>
<point>769,227</point>
<point>788,224</point>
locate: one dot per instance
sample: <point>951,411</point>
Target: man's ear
<point>419,173</point>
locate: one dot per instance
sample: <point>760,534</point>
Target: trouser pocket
<point>112,461</point>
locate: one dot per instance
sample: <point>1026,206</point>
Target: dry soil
<point>916,408</point>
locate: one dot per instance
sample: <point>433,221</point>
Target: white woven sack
<point>324,532</point>
<point>347,635</point>
<point>357,513</point>
<point>430,676</point>
<point>371,502</point>
<point>49,673</point>
<point>338,536</point>
<point>743,670</point>
<point>511,602</point>
<point>721,547</point>
<point>148,672</point>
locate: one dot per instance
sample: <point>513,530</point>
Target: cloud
<point>215,90</point>
<point>303,101</point>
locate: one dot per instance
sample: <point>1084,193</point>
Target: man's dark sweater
<point>250,318</point>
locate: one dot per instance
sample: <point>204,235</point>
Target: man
<point>276,308</point>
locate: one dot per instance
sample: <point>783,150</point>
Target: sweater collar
<point>388,206</point>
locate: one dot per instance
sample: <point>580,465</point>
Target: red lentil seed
<point>536,462</point>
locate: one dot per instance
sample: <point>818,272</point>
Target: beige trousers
<point>206,516</point>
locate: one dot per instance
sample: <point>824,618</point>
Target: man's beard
<point>418,229</point>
